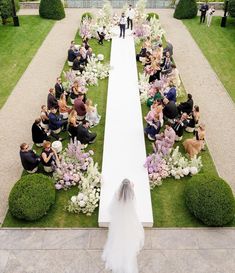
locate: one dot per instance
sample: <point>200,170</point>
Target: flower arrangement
<point>86,28</point>
<point>89,192</point>
<point>144,86</point>
<point>174,164</point>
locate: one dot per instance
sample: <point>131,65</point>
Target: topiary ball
<point>87,15</point>
<point>51,9</point>
<point>151,15</point>
<point>31,197</point>
<point>211,200</point>
<point>186,9</point>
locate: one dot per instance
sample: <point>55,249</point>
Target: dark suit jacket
<point>55,122</point>
<point>29,160</point>
<point>170,110</point>
<point>38,134</point>
<point>59,89</point>
<point>71,55</point>
<point>51,101</point>
<point>83,135</point>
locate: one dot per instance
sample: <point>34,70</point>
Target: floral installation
<point>144,86</point>
<point>174,164</point>
<point>74,163</point>
<point>70,78</point>
<point>155,28</point>
<point>86,28</point>
<point>89,192</point>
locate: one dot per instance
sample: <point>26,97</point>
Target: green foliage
<point>151,15</point>
<point>211,200</point>
<point>231,8</point>
<point>51,9</point>
<point>186,9</point>
<point>87,15</point>
<point>6,9</point>
<point>31,197</point>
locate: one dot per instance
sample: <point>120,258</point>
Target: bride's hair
<point>125,191</point>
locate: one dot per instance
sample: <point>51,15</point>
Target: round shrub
<point>186,9</point>
<point>231,8</point>
<point>211,200</point>
<point>31,197</point>
<point>87,15</point>
<point>151,15</point>
<point>51,9</point>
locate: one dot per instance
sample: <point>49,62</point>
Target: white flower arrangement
<point>144,86</point>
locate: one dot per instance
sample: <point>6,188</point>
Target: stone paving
<point>79,251</point>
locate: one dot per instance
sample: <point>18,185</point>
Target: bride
<point>126,233</point>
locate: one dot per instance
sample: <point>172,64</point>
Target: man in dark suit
<point>59,89</point>
<point>84,135</point>
<point>56,121</point>
<point>170,109</point>
<point>187,106</point>
<point>203,9</point>
<point>51,99</point>
<point>29,159</point>
<point>77,64</point>
<point>38,133</point>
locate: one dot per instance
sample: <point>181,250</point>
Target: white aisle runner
<point>124,148</point>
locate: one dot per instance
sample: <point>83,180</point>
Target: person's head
<point>168,54</point>
<point>104,27</point>
<point>89,49</point>
<point>58,80</point>
<point>85,123</point>
<point>47,145</point>
<point>37,121</point>
<point>165,101</point>
<point>24,147</point>
<point>126,191</point>
<point>75,83</point>
<point>62,97</point>
<point>168,125</point>
<point>80,96</point>
<point>202,126</point>
<point>171,84</point>
<point>173,66</point>
<point>52,91</point>
<point>89,102</point>
<point>53,110</point>
<point>130,6</point>
<point>190,96</point>
<point>43,108</point>
<point>196,108</point>
<point>123,14</point>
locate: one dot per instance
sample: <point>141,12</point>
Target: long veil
<point>125,236</point>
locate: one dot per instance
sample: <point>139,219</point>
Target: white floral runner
<point>124,147</point>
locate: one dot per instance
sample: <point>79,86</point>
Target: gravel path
<point>79,251</point>
<point>217,108</point>
<point>23,105</point>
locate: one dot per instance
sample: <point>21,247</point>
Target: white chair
<point>48,169</point>
<point>57,146</point>
<point>57,131</point>
<point>65,115</point>
<point>33,171</point>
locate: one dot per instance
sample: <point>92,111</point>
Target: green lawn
<point>218,46</point>
<point>58,216</point>
<point>18,45</point>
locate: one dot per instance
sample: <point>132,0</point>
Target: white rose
<point>186,171</point>
<point>82,204</point>
<point>193,170</point>
<point>74,199</point>
<point>80,196</point>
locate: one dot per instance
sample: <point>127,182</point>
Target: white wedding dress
<point>125,237</point>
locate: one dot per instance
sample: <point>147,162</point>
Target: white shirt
<point>123,21</point>
<point>130,13</point>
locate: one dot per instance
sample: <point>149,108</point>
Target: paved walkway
<point>23,105</point>
<point>216,107</point>
<point>79,251</point>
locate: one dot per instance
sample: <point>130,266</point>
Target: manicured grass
<point>17,47</point>
<point>58,216</point>
<point>218,46</point>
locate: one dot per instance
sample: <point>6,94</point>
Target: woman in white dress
<point>91,113</point>
<point>126,233</point>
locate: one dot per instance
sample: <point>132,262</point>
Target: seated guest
<point>164,141</point>
<point>38,133</point>
<point>64,109</point>
<point>171,93</point>
<point>168,48</point>
<point>101,33</point>
<point>187,106</point>
<point>170,109</point>
<point>44,115</point>
<point>84,135</point>
<point>193,146</point>
<point>179,126</point>
<point>193,119</point>
<point>85,42</point>
<point>155,73</point>
<point>75,90</point>
<point>73,124</point>
<point>49,157</point>
<point>80,107</point>
<point>51,99</point>
<point>29,159</point>
<point>77,65</point>
<point>142,54</point>
<point>89,53</point>
<point>166,64</point>
<point>153,119</point>
<point>56,122</point>
<point>82,54</point>
<point>155,96</point>
<point>71,56</point>
<point>173,76</point>
<point>59,89</point>
<point>91,113</point>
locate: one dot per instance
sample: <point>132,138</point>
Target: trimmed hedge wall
<point>51,9</point>
<point>211,200</point>
<point>31,197</point>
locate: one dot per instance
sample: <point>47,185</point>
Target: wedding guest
<point>193,119</point>
<point>168,48</point>
<point>166,64</point>
<point>156,96</point>
<point>75,90</point>
<point>209,15</point>
<point>64,109</point>
<point>173,76</point>
<point>171,93</point>
<point>44,115</point>
<point>122,25</point>
<point>77,65</point>
<point>193,146</point>
<point>56,122</point>
<point>29,159</point>
<point>89,53</point>
<point>39,135</point>
<point>187,106</point>
<point>59,89</point>
<point>85,42</point>
<point>51,99</point>
<point>91,113</point>
<point>170,109</point>
<point>153,119</point>
<point>82,54</point>
<point>80,107</point>
<point>71,56</point>
<point>203,9</point>
<point>179,126</point>
<point>73,124</point>
<point>49,157</point>
<point>101,33</point>
<point>130,14</point>
<point>84,135</point>
<point>164,141</point>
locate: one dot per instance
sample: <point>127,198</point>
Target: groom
<point>122,24</point>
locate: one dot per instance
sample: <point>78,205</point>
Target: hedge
<point>186,9</point>
<point>31,197</point>
<point>231,8</point>
<point>211,200</point>
<point>51,9</point>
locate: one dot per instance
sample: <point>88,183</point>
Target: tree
<point>231,8</point>
<point>51,9</point>
<point>6,9</point>
<point>186,9</point>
